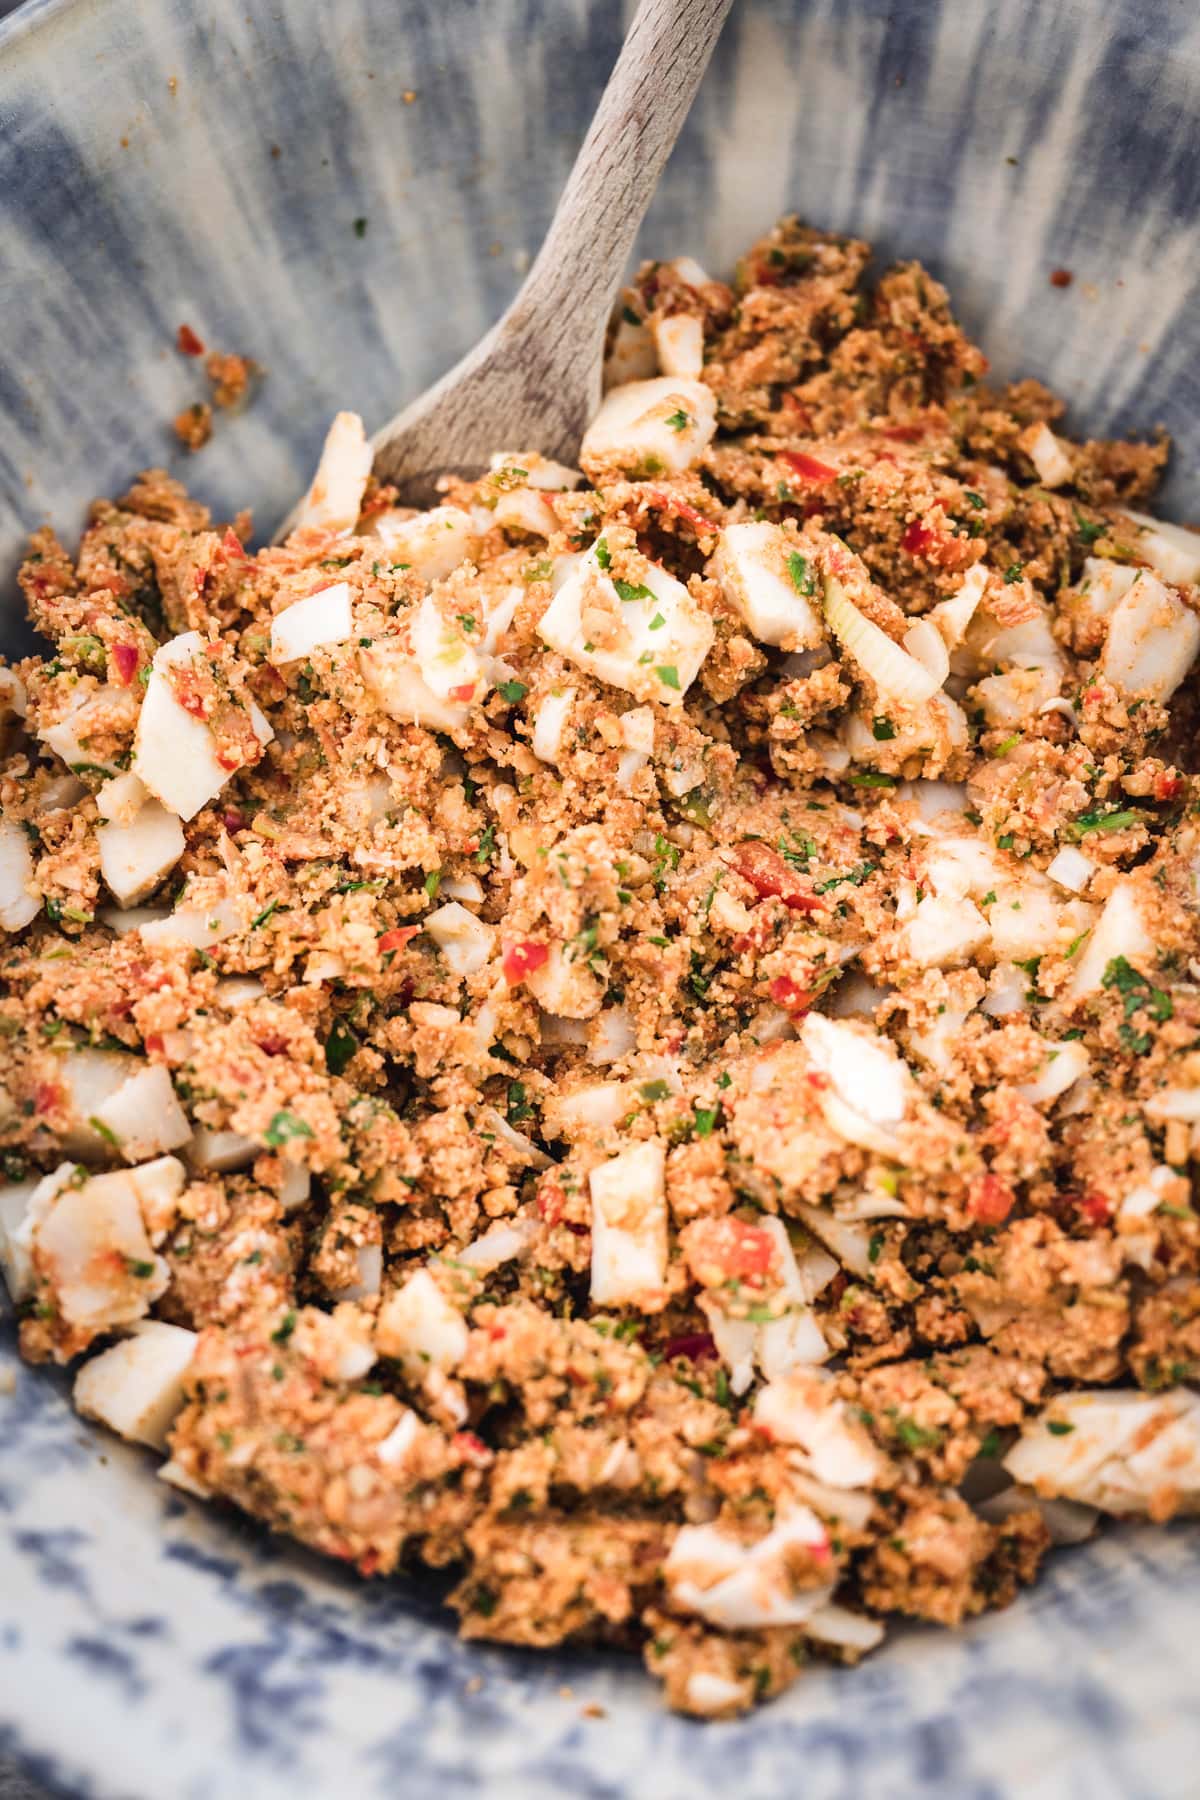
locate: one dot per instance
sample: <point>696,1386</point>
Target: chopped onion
<point>895,673</point>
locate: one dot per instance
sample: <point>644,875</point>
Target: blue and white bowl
<point>165,161</point>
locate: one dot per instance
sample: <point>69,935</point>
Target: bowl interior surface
<point>349,194</point>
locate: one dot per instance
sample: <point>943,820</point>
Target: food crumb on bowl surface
<point>632,1034</point>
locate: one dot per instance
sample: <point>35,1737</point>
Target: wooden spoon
<point>534,380</point>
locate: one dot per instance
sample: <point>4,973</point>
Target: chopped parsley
<point>283,1128</point>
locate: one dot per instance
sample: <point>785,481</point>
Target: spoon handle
<point>578,269</point>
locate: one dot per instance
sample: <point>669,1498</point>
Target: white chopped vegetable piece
<point>465,941</point>
<point>221,1150</point>
<point>597,1107</point>
<point>432,544</point>
<point>849,1630</point>
<point>1067,1521</point>
<point>295,1187</point>
<point>398,684</point>
<point>198,926</point>
<point>122,920</point>
<point>109,708</point>
<point>1171,549</point>
<point>897,676</point>
<point>1153,640</point>
<point>747,1587</point>
<point>629,1226</point>
<point>90,1239</point>
<point>418,1325</point>
<point>144,1115</point>
<point>335,496</point>
<point>637,733</point>
<point>1027,643</point>
<point>15,1260</point>
<point>1064,1065</point>
<point>1149,1195</point>
<point>769,582</point>
<point>88,1078</point>
<point>1175,1103</point>
<point>1011,699</point>
<point>19,903</point>
<point>565,986</point>
<point>925,642</point>
<point>944,930</point>
<point>869,1084</point>
<point>1119,931</point>
<point>679,342</point>
<point>1048,455</point>
<point>1120,1449</point>
<point>1028,918</point>
<point>849,1241</point>
<point>650,643</point>
<point>644,428</point>
<point>539,472</point>
<point>368,1275</point>
<point>307,625</point>
<point>1071,869</point>
<point>549,724</point>
<point>120,800</point>
<point>502,1242</point>
<point>174,753</point>
<point>394,1448</point>
<point>612,1036</point>
<point>710,1694</point>
<point>804,1410</point>
<point>953,615</point>
<point>136,856</point>
<point>136,1388</point>
<point>445,655</point>
<point>1102,585</point>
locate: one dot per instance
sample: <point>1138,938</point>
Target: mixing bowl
<point>348,194</point>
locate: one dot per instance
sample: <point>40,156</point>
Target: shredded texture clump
<point>637,1034</point>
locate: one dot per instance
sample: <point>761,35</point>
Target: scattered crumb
<point>187,343</point>
<point>231,376</point>
<point>193,426</point>
<point>409,96</point>
<point>1061,278</point>
<point>593,1711</point>
<point>474,1685</point>
<point>172,85</point>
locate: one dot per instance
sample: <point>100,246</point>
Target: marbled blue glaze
<point>149,1647</point>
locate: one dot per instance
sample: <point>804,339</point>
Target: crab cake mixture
<point>636,1035</point>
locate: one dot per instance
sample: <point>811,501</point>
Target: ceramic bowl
<point>348,193</point>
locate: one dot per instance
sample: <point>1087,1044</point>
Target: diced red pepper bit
<point>522,958</point>
<point>463,694</point>
<point>682,509</point>
<point>991,1200</point>
<point>550,1200</point>
<point>154,1043</point>
<point>368,1562</point>
<point>46,1096</point>
<point>902,434</point>
<point>231,544</point>
<point>809,468</point>
<point>740,1250</point>
<point>696,1346</point>
<point>1095,1208</point>
<point>472,1449</point>
<point>125,659</point>
<point>397,937</point>
<point>1167,787</point>
<point>273,1045</point>
<point>790,995</point>
<point>919,539</point>
<point>187,343</point>
<point>774,878</point>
